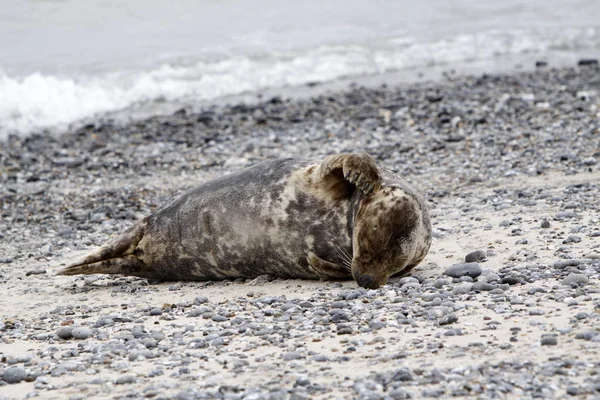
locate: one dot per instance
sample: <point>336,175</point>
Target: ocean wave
<point>39,101</point>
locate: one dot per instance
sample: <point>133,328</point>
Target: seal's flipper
<point>115,257</point>
<point>326,270</point>
<point>127,265</point>
<point>360,170</point>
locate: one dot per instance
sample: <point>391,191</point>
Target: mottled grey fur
<point>287,218</point>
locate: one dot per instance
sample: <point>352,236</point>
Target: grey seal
<point>339,218</point>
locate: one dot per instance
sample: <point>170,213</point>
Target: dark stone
<point>587,61</point>
<point>475,256</point>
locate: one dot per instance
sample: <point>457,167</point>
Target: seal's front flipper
<point>359,170</point>
<point>115,257</point>
<point>326,270</point>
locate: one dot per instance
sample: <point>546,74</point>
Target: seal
<point>340,218</point>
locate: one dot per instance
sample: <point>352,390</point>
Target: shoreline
<point>509,164</point>
<point>434,73</point>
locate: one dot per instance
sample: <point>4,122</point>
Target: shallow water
<point>65,60</point>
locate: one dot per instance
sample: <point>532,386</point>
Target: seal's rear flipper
<point>126,265</point>
<point>115,257</point>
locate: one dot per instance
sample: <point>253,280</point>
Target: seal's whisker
<point>347,262</point>
<point>345,257</point>
<point>344,252</point>
<point>387,241</point>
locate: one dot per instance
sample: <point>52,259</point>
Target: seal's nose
<point>367,281</point>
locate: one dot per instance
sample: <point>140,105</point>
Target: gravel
<point>508,163</point>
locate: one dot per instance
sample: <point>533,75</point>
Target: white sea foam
<point>40,101</point>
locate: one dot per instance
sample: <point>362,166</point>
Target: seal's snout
<point>367,281</point>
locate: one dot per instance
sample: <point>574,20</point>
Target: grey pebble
<point>14,375</point>
<point>573,278</point>
<point>292,355</point>
<point>125,379</point>
<point>587,335</point>
<point>35,272</point>
<point>65,332</point>
<point>545,224</point>
<point>463,288</point>
<point>200,300</point>
<point>581,315</point>
<point>219,318</point>
<point>549,341</point>
<point>138,354</point>
<point>448,319</point>
<point>483,287</point>
<point>468,269</point>
<point>82,333</point>
<point>156,311</point>
<point>474,256</point>
<point>565,214</point>
<point>572,239</point>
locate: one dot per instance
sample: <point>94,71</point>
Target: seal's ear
<point>348,172</point>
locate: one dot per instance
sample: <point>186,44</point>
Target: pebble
<point>81,333</point>
<point>65,332</point>
<point>292,355</point>
<point>472,270</point>
<point>35,272</point>
<point>463,288</point>
<point>549,341</point>
<point>14,375</point>
<point>475,256</point>
<point>575,279</point>
<point>483,287</point>
<point>125,379</point>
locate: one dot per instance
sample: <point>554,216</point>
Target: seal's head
<point>386,237</point>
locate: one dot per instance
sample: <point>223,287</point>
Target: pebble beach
<point>505,305</point>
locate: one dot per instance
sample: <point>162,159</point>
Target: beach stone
<point>81,333</point>
<point>545,224</point>
<point>549,341</point>
<point>474,256</point>
<point>201,300</point>
<point>138,354</point>
<point>581,315</point>
<point>156,311</point>
<point>586,335</point>
<point>14,375</point>
<point>65,332</point>
<point>565,215</point>
<point>125,379</point>
<point>35,272</point>
<point>578,279</point>
<point>472,270</point>
<point>448,319</point>
<point>483,287</point>
<point>572,239</point>
<point>566,263</point>
<point>463,288</point>
<point>292,355</point>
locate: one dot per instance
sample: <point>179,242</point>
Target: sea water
<point>67,61</point>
